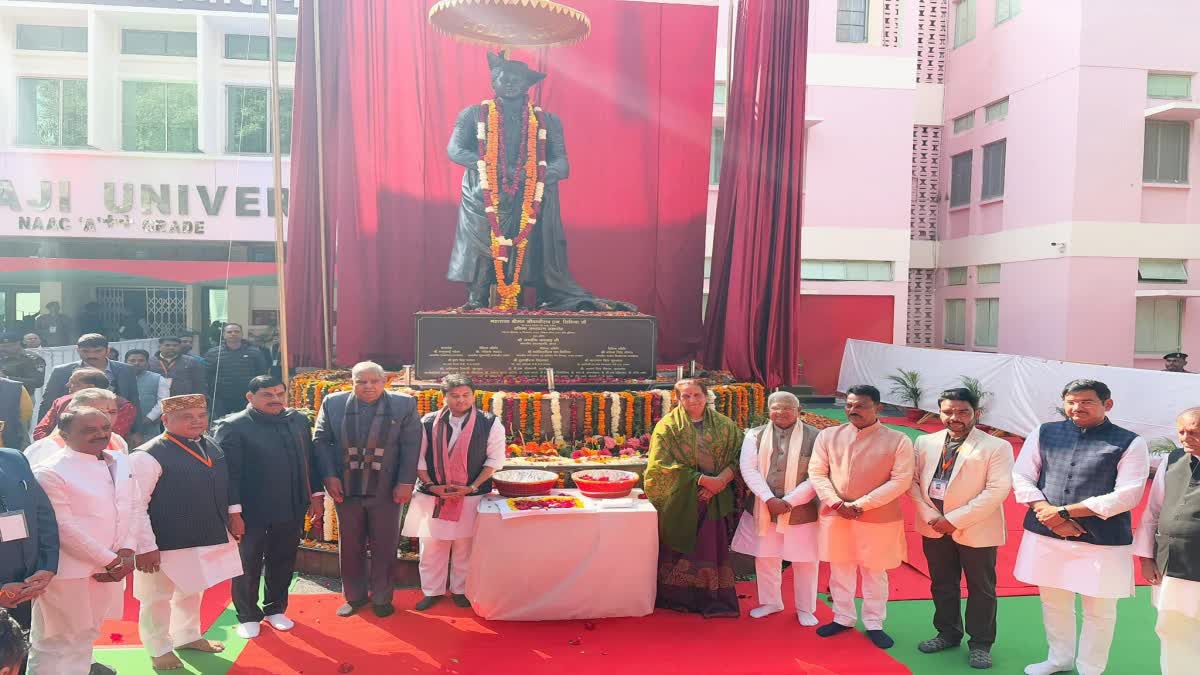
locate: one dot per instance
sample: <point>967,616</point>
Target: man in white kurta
<point>860,470</point>
<point>1167,543</point>
<point>100,399</point>
<point>95,500</point>
<point>455,470</point>
<point>1080,477</point>
<point>187,549</point>
<point>781,523</point>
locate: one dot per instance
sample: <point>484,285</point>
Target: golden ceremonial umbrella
<point>510,23</point>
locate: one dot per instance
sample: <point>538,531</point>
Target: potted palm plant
<point>973,385</point>
<point>906,386</point>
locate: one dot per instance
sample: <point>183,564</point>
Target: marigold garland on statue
<point>492,184</point>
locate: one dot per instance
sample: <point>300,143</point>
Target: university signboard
<point>69,195</point>
<point>240,6</point>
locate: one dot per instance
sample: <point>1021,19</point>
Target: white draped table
<point>551,566</point>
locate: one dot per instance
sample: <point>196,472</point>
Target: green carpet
<point>1020,638</point>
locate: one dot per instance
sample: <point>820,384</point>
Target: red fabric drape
<point>752,321</point>
<point>636,103</point>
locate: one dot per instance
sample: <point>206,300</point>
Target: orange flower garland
<point>600,428</point>
<point>628,398</point>
<point>648,409</point>
<point>587,414</point>
<point>537,416</point>
<point>535,173</point>
<point>522,411</point>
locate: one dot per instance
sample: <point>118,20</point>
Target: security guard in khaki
<point>19,364</point>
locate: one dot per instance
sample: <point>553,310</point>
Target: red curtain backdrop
<point>839,318</point>
<point>636,103</point>
<point>753,318</point>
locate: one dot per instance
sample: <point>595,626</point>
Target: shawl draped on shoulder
<point>673,471</point>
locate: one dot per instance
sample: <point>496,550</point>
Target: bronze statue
<point>507,229</point>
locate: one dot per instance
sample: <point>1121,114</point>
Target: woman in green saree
<point>689,479</point>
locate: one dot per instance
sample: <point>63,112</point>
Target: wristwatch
<point>1064,513</point>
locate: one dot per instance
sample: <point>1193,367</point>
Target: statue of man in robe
<point>543,264</point>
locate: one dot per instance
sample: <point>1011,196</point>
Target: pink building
<point>1066,223</point>
<point>873,117</point>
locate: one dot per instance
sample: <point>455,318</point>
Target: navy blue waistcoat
<point>1081,463</point>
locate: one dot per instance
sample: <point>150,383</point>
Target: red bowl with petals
<point>524,482</point>
<point>604,483</point>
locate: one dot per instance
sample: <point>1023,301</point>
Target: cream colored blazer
<point>979,483</point>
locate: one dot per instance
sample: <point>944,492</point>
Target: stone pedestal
<point>495,346</point>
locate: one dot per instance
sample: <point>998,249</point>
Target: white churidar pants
<point>66,621</point>
<point>169,618</point>
<point>1099,621</point>
<point>442,556</point>
<point>843,579</point>
<point>64,654</point>
<point>1180,646</point>
<point>770,583</point>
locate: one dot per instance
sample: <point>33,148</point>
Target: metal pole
<point>326,324</point>
<point>277,156</point>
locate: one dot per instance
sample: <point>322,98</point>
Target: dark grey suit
<point>39,551</point>
<point>376,517</point>
<point>124,385</point>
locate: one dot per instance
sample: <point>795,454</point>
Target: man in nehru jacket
<point>960,481</point>
<point>188,547</point>
<point>367,443</point>
<point>781,522</point>
<point>268,448</point>
<point>1080,477</point>
<point>860,470</point>
<point>462,446</point>
<point>95,500</point>
<point>1167,543</point>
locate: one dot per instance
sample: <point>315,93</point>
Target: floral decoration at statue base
<point>566,419</point>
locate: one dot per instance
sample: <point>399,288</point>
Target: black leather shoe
<point>384,610</point>
<point>350,608</point>
<point>427,602</point>
<point>461,600</point>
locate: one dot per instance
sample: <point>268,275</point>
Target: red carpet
<point>453,640</point>
<point>123,632</point>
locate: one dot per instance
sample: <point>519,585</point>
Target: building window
<point>964,22</point>
<point>964,123</point>
<point>993,170</point>
<point>1166,154</point>
<point>987,322</point>
<point>158,117</point>
<point>714,160</point>
<point>956,276</point>
<point>52,38</point>
<point>256,47</point>
<point>249,130</point>
<point>960,179</point>
<point>1007,9</point>
<point>987,274</point>
<point>846,270</point>
<point>1158,325</point>
<point>721,93</point>
<point>996,111</point>
<point>52,113</point>
<point>1163,270</point>
<point>852,21</point>
<point>158,43</point>
<point>1167,85</point>
<point>955,328</point>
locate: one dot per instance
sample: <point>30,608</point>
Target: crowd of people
<point>224,495</point>
<point>833,496</point>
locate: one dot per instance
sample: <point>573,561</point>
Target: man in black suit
<point>27,564</point>
<point>272,484</point>
<point>93,353</point>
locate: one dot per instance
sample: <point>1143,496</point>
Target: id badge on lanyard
<point>937,488</point>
